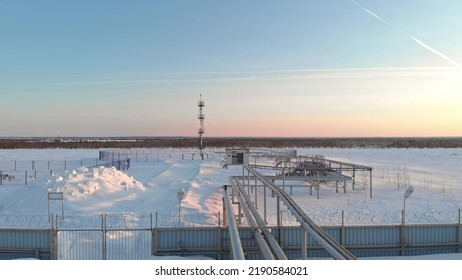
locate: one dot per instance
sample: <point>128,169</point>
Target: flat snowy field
<point>150,187</point>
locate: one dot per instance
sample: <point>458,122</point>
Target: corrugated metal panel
<point>187,238</point>
<point>334,232</point>
<point>128,244</point>
<point>25,239</point>
<point>253,256</point>
<point>430,251</point>
<point>372,236</point>
<point>199,238</point>
<point>167,238</point>
<point>293,236</point>
<point>247,239</point>
<point>224,239</point>
<point>13,256</point>
<point>376,252</point>
<point>431,234</point>
<point>80,245</point>
<point>311,254</point>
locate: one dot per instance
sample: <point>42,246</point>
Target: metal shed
<point>237,156</point>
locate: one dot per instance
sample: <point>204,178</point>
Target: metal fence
<point>126,237</point>
<point>153,155</point>
<point>43,165</point>
<point>23,172</point>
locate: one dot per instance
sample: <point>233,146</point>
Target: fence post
<point>402,233</point>
<point>103,226</point>
<point>154,238</point>
<point>1,177</point>
<point>459,229</point>
<point>54,239</point>
<point>342,230</point>
<point>25,177</point>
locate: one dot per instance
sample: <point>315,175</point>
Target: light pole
<point>407,194</point>
<point>180,194</point>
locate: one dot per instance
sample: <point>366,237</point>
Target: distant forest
<point>190,142</point>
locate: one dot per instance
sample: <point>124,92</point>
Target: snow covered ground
<point>150,187</point>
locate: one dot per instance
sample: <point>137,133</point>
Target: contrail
<point>378,17</point>
<point>438,53</point>
<point>417,41</point>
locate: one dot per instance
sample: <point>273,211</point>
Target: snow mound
<point>83,182</point>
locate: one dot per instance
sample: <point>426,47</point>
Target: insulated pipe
<point>325,240</point>
<point>236,246</point>
<point>266,251</point>
<point>269,236</point>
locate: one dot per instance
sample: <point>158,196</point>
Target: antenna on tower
<point>201,131</point>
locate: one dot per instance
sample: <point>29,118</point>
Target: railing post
<point>264,203</point>
<point>256,192</point>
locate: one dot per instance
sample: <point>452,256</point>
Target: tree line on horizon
<point>390,142</point>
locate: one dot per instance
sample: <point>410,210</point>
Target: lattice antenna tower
<point>201,131</point>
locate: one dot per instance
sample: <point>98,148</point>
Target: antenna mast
<point>201,131</point>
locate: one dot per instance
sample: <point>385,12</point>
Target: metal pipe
<point>264,248</point>
<point>325,240</point>
<point>236,246</point>
<point>279,253</point>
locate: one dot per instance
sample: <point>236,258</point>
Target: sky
<point>333,68</point>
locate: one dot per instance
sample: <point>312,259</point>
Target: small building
<point>237,156</point>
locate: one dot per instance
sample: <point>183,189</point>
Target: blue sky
<point>265,68</point>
